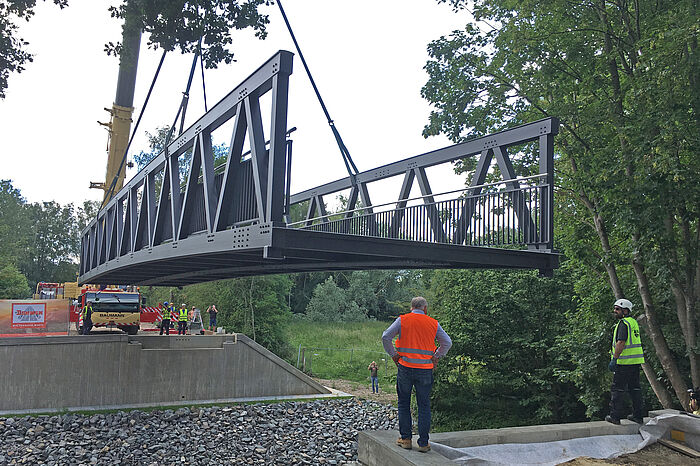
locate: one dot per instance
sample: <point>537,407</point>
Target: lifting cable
<point>341,145</point>
<point>201,65</point>
<point>185,99</point>
<point>138,121</point>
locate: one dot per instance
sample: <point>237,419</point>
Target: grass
<point>340,350</point>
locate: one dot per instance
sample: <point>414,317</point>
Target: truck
<point>113,306</point>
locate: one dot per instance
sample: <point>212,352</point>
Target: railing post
<point>546,232</point>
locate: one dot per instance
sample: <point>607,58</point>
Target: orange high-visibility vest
<point>416,343</point>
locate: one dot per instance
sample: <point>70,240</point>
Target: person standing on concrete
<point>627,357</point>
<point>415,356</point>
<point>373,376</point>
<point>182,320</point>
<point>165,321</point>
<point>87,318</point>
<point>212,317</point>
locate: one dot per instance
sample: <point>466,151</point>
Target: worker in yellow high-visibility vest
<point>87,318</point>
<point>182,320</point>
<point>165,321</point>
<point>627,356</point>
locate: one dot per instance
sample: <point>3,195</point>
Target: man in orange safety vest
<point>415,355</point>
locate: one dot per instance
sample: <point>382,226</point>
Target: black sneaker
<point>612,420</point>
<point>633,418</point>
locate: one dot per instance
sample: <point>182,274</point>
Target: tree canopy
<point>623,78</point>
<point>169,25</point>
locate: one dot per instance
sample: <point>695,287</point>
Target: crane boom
<point>119,126</point>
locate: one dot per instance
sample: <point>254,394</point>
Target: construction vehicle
<point>113,306</point>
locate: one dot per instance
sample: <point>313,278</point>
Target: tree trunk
<point>660,391</point>
<point>684,307</point>
<point>663,352</point>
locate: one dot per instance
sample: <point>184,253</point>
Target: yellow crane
<point>119,126</point>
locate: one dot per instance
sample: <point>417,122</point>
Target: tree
<point>13,53</point>
<point>13,284</point>
<point>623,77</point>
<point>503,367</point>
<point>330,303</point>
<point>170,25</point>
<point>54,245</point>
<point>14,232</point>
<point>181,25</point>
<point>255,306</point>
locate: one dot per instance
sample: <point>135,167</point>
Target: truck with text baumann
<point>112,307</point>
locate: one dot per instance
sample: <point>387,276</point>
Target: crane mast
<point>119,126</point>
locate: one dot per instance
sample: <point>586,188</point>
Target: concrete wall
<point>107,370</point>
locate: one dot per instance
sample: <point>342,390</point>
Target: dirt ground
<point>387,391</point>
<point>654,455</point>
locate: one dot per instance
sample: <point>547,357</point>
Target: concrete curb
<point>378,448</point>
<point>253,399</point>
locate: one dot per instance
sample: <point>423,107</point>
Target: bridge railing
<point>499,214</point>
<point>515,211</point>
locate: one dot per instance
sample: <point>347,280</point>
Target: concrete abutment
<point>47,374</point>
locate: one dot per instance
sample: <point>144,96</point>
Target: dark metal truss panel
<point>159,230</point>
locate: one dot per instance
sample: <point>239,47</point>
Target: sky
<point>367,57</point>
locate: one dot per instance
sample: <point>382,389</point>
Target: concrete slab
<point>377,448</point>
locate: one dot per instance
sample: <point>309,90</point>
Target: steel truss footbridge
<point>234,220</point>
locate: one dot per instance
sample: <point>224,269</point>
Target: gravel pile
<point>319,432</point>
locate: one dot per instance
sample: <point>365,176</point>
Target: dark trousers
<point>626,379</point>
<point>181,327</point>
<point>406,379</point>
<point>87,326</point>
<point>165,326</point>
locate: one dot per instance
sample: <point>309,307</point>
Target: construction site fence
<point>34,317</point>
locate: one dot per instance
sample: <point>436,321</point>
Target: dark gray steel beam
<point>506,138</point>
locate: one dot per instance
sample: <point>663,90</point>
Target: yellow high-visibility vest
<point>633,353</point>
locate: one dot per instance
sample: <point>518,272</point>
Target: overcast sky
<point>367,58</point>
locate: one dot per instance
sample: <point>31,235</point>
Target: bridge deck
<point>295,250</point>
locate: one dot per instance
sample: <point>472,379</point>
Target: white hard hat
<point>627,304</point>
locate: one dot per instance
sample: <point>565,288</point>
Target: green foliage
<point>255,306</point>
<point>13,284</point>
<point>13,53</point>
<point>624,78</point>
<point>382,294</point>
<point>14,223</point>
<point>329,348</point>
<point>40,240</point>
<point>170,25</point>
<point>331,303</point>
<point>504,360</point>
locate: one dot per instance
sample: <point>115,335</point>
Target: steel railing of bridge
<point>500,216</point>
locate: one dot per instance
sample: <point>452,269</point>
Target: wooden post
<point>303,360</point>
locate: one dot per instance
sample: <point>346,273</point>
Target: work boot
<point>404,443</point>
<point>612,420</point>
<point>633,418</point>
<point>424,449</point>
